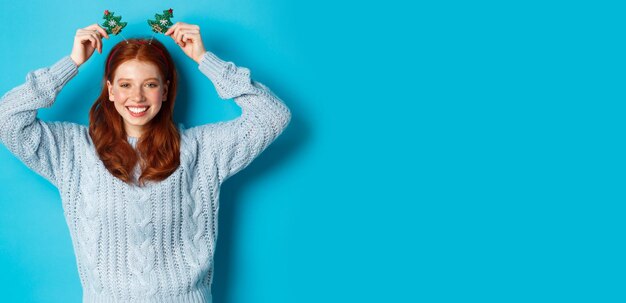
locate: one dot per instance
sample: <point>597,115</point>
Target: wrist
<point>199,58</point>
<point>75,61</point>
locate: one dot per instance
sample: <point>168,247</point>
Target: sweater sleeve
<point>42,146</point>
<point>235,143</point>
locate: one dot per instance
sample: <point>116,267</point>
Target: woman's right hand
<point>86,41</point>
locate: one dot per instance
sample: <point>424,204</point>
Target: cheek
<point>119,95</point>
<point>120,107</point>
<point>156,94</point>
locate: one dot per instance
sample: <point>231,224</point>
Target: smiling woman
<point>141,196</point>
<point>141,83</point>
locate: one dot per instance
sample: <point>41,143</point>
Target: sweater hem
<point>198,295</point>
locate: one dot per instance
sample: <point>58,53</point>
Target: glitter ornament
<point>113,24</point>
<point>162,22</point>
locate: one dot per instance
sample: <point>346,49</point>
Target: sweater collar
<point>132,141</point>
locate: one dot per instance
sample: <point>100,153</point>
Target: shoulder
<point>204,133</point>
<point>71,138</point>
<point>211,131</point>
<point>200,141</point>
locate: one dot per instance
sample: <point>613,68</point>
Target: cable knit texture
<point>153,243</point>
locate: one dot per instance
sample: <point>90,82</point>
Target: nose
<point>138,95</point>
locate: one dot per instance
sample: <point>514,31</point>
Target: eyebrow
<point>120,79</point>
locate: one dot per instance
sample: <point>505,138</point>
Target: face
<point>138,92</point>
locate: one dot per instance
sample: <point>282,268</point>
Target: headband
<point>114,26</point>
<point>161,24</point>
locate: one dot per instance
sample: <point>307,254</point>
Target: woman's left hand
<point>187,36</point>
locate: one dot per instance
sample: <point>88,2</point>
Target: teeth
<point>137,109</point>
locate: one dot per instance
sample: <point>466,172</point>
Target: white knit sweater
<point>142,244</point>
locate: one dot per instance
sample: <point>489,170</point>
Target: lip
<point>137,115</point>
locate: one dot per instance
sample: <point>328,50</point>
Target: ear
<point>110,88</point>
<point>165,90</point>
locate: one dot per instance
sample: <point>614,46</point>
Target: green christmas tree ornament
<point>113,24</point>
<point>162,22</point>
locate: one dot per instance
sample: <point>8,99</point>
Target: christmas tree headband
<point>114,25</point>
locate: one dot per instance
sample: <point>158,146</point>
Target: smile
<point>137,111</point>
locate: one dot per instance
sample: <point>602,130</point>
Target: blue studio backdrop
<point>439,151</point>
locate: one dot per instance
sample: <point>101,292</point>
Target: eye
<point>153,84</point>
<point>124,85</point>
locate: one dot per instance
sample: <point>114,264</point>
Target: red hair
<point>158,150</point>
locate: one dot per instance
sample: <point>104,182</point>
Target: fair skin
<point>138,93</point>
<point>137,85</point>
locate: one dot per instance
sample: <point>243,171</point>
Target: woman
<point>139,194</point>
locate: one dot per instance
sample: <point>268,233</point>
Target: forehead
<point>137,70</point>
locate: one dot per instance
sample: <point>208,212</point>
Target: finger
<point>81,39</point>
<point>102,31</point>
<point>180,26</point>
<point>99,29</point>
<point>89,32</point>
<point>98,41</point>
<point>187,35</point>
<point>177,35</point>
<point>94,44</point>
<point>173,28</point>
<point>95,39</point>
<point>91,40</point>
<point>177,32</point>
<point>180,40</point>
<point>191,35</point>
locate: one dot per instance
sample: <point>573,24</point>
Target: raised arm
<point>264,116</point>
<point>230,146</point>
<point>40,145</point>
<point>46,147</point>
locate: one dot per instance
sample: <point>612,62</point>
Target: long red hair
<point>158,149</point>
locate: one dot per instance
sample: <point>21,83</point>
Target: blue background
<point>448,151</point>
